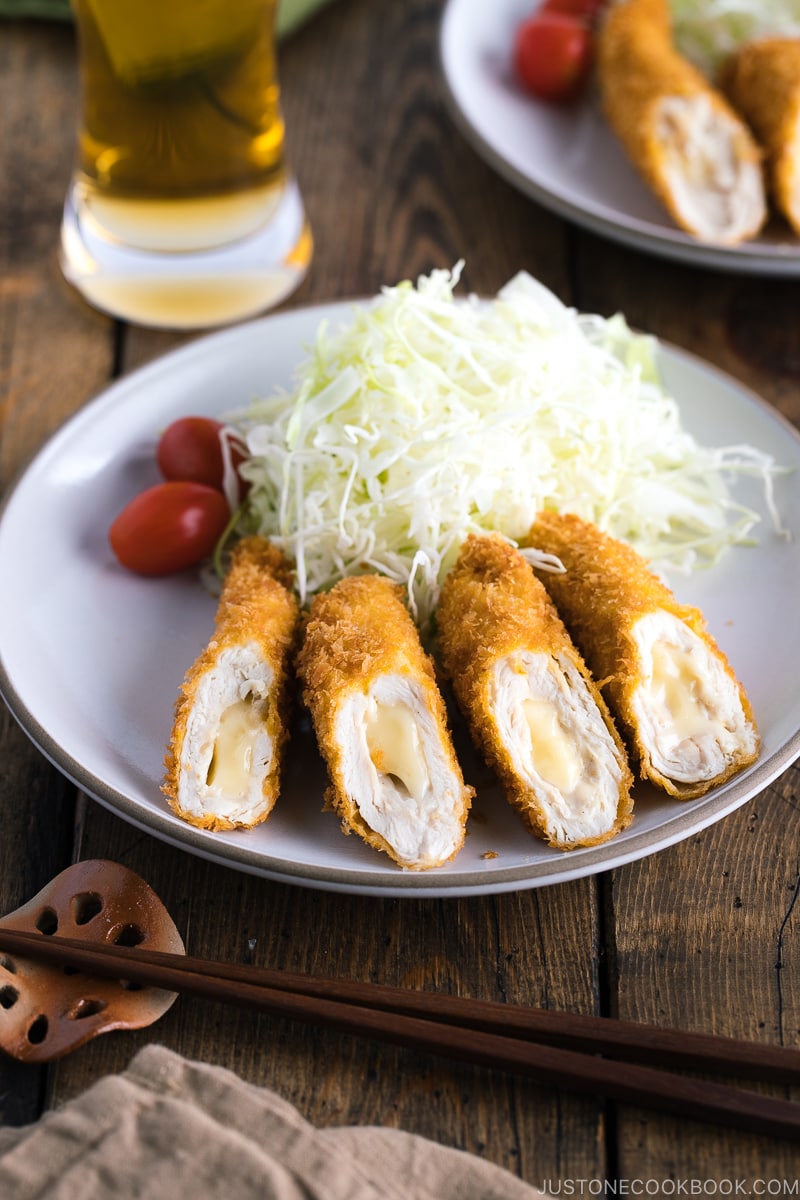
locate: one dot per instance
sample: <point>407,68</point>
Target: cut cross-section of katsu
<point>686,141</point>
<point>528,699</point>
<point>675,695</point>
<point>762,81</point>
<point>231,719</point>
<point>381,724</point>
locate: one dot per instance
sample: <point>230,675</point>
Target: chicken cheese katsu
<point>528,699</point>
<point>677,700</point>
<point>223,761</point>
<point>762,81</point>
<point>381,724</point>
<point>686,141</point>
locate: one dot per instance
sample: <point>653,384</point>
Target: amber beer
<point>181,138</point>
<point>180,106</point>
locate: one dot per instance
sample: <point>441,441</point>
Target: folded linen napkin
<point>291,13</point>
<point>168,1127</point>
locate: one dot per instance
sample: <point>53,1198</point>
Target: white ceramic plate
<point>566,157</point>
<point>92,657</point>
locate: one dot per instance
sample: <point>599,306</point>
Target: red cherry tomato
<point>169,527</point>
<point>553,55</point>
<point>190,448</point>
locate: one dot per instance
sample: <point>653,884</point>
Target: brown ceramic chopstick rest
<point>47,1011</point>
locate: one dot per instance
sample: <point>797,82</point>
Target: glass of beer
<point>182,211</point>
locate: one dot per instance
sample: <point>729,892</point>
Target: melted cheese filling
<point>235,747</point>
<point>558,744</point>
<point>677,685</point>
<point>397,771</point>
<point>716,188</point>
<point>688,707</point>
<point>554,753</point>
<point>227,753</point>
<point>394,746</point>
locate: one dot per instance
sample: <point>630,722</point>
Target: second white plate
<point>567,158</point>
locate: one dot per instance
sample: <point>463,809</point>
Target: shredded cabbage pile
<point>426,418</point>
<point>706,31</point>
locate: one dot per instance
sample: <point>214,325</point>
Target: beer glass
<point>182,211</point>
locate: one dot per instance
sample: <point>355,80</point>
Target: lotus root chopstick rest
<point>47,1011</point>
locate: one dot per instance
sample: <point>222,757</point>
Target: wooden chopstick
<point>466,1030</point>
<point>599,1035</point>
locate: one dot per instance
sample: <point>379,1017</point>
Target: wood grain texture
<point>699,929</point>
<point>51,361</point>
<point>37,807</point>
<point>391,189</point>
<point>391,192</point>
<point>725,940</point>
<point>55,352</point>
<point>703,935</point>
<point>530,947</point>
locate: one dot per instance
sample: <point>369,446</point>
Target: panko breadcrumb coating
<point>224,759</point>
<point>381,724</point>
<point>528,699</point>
<point>678,702</point>
<point>762,81</point>
<point>685,140</point>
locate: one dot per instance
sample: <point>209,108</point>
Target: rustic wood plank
<point>529,947</point>
<point>54,354</point>
<point>37,806</point>
<point>699,928</point>
<point>718,953</point>
<point>391,191</point>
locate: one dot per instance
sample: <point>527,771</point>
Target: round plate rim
<point>751,258</point>
<point>389,882</point>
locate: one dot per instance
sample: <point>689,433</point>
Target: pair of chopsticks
<point>621,1060</point>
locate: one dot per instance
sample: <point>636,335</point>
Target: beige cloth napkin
<point>168,1127</point>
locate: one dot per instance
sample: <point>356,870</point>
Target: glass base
<point>189,288</point>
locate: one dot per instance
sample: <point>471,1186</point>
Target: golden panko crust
<point>256,605</point>
<point>638,66</point>
<point>762,81</point>
<point>355,632</point>
<point>492,605</point>
<point>606,588</point>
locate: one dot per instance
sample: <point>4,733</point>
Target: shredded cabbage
<point>706,31</point>
<point>426,418</point>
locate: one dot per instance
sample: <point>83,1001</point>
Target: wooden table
<point>705,935</point>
